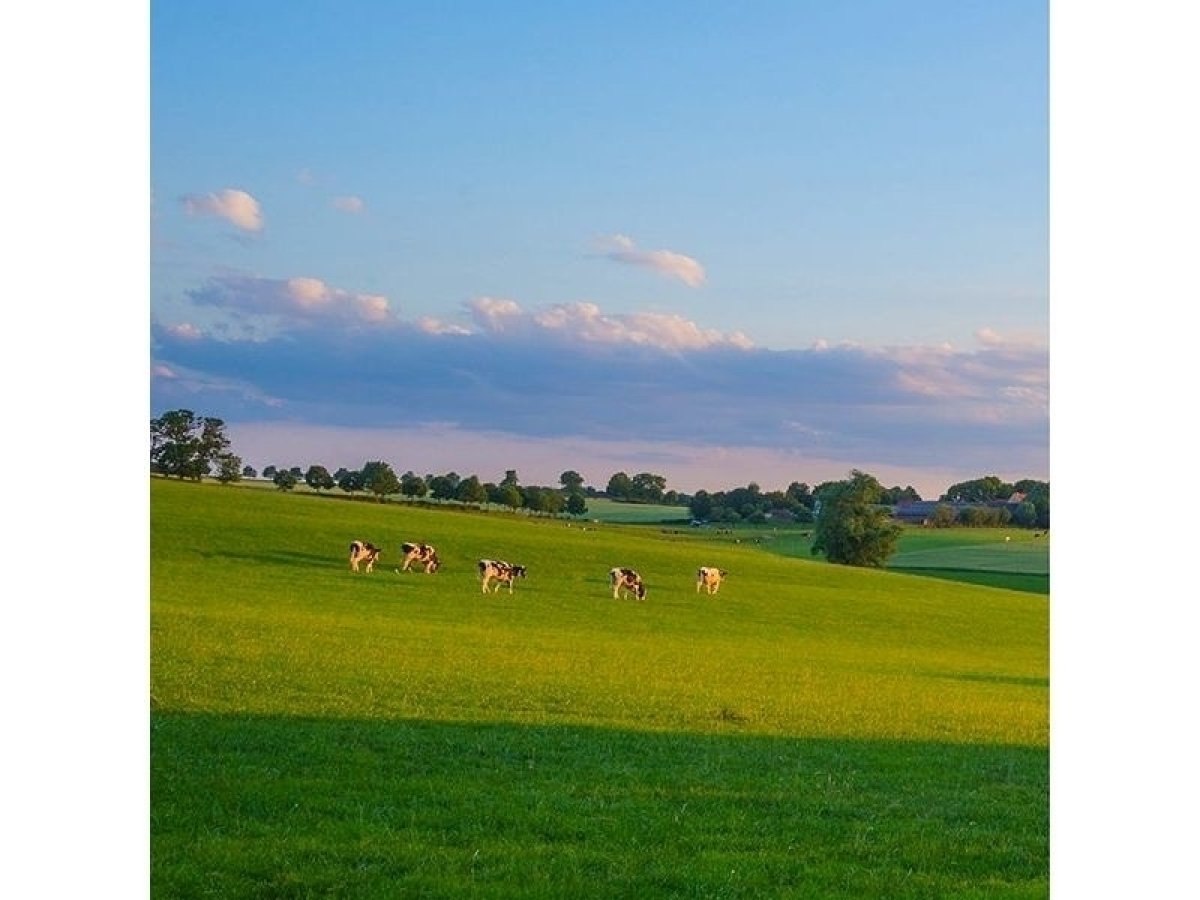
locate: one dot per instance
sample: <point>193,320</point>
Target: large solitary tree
<point>852,528</point>
<point>186,445</point>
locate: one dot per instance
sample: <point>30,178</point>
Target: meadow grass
<point>811,731</point>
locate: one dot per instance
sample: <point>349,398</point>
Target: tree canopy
<point>852,527</point>
<point>379,478</point>
<point>188,446</point>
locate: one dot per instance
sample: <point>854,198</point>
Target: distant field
<point>599,508</point>
<point>607,510</point>
<point>970,555</point>
<point>811,731</point>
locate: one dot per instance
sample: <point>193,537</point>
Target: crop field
<point>810,731</point>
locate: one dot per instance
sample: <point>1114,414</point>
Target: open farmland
<point>811,731</point>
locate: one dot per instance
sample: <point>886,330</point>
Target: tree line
<point>380,479</point>
<point>852,517</point>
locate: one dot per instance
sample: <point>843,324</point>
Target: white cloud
<point>621,248</point>
<point>235,206</point>
<point>348,204</point>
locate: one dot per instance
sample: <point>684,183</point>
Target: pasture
<point>811,731</point>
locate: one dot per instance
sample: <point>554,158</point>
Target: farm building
<point>918,512</point>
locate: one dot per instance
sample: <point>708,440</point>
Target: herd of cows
<point>624,581</point>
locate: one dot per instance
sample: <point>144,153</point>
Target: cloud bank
<point>572,373</point>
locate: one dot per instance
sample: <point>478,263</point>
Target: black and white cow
<point>709,577</point>
<point>419,553</point>
<point>501,572</point>
<point>363,552</point>
<point>623,580</point>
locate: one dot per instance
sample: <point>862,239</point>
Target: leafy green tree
<point>943,516</point>
<point>852,528</point>
<point>249,472</point>
<point>413,486</point>
<point>896,495</point>
<point>984,516</point>
<point>509,495</point>
<point>351,482</point>
<point>269,472</point>
<point>443,487</point>
<point>701,506</point>
<point>285,480</point>
<point>1037,493</point>
<point>571,481</point>
<point>576,505</point>
<point>319,479</point>
<point>620,487</point>
<point>229,468</point>
<point>297,472</point>
<point>470,491</point>
<point>649,487</point>
<point>800,494</point>
<point>1024,515</point>
<point>978,490</point>
<point>186,445</point>
<point>379,478</point>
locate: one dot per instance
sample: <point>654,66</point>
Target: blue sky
<point>720,242</point>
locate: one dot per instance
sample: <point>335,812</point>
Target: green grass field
<point>812,731</point>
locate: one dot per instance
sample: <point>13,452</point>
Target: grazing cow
<point>420,553</point>
<point>709,577</point>
<point>626,580</point>
<point>363,552</point>
<point>502,572</point>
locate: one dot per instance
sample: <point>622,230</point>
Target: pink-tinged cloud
<point>350,204</point>
<point>1007,378</point>
<point>185,330</point>
<point>620,248</point>
<point>432,326</point>
<point>296,301</point>
<point>496,315</point>
<point>584,322</point>
<point>235,206</point>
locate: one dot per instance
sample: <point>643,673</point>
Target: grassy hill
<point>810,731</point>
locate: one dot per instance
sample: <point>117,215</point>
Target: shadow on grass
<point>277,807</point>
<point>1028,582</point>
